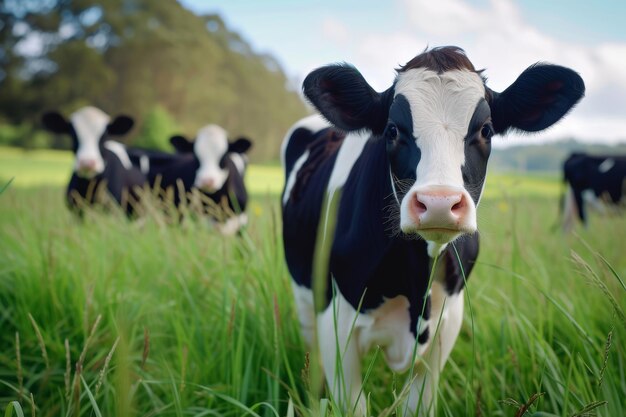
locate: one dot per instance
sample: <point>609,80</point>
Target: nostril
<point>419,206</point>
<point>458,207</point>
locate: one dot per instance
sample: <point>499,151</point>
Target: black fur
<point>344,98</point>
<point>167,171</point>
<point>582,173</point>
<point>539,97</point>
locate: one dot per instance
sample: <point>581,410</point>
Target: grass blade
<point>14,405</point>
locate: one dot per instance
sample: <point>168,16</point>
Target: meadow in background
<point>111,317</point>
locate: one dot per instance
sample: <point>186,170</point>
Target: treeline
<point>546,157</point>
<point>172,70</point>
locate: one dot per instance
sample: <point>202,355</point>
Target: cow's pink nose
<point>86,164</point>
<point>207,183</point>
<point>439,208</point>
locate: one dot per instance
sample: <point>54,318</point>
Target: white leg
<point>337,337</point>
<point>569,213</point>
<point>422,399</point>
<point>306,311</point>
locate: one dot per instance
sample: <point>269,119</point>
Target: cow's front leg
<point>445,327</point>
<point>337,336</point>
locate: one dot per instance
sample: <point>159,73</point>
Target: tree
<point>135,56</point>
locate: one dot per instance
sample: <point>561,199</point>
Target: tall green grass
<point>116,318</point>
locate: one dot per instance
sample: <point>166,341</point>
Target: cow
<point>101,164</point>
<point>593,180</point>
<point>210,164</point>
<point>381,190</point>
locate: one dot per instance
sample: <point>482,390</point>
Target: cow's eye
<point>486,131</point>
<point>392,132</point>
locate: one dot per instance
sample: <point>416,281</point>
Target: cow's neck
<point>370,260</point>
<point>364,226</point>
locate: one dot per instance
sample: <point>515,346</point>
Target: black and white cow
<point>101,163</point>
<point>405,169</point>
<point>596,180</point>
<point>210,164</point>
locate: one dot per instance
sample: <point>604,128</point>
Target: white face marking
<point>89,124</point>
<point>210,146</point>
<point>442,106</point>
<point>606,165</point>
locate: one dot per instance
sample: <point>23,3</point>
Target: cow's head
<point>89,128</point>
<point>437,120</point>
<point>211,148</point>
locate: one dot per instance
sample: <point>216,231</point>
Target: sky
<point>502,36</point>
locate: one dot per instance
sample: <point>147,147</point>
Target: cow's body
<point>391,186</point>
<point>182,173</point>
<point>599,181</point>
<point>102,169</point>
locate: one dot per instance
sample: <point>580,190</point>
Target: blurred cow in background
<point>595,180</point>
<point>209,164</point>
<point>101,164</point>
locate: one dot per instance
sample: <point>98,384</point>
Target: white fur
<point>589,197</point>
<point>144,164</point>
<point>606,165</point>
<point>350,150</point>
<point>447,314</point>
<point>569,210</point>
<point>314,123</point>
<point>442,106</point>
<point>351,334</point>
<point>240,162</point>
<point>210,145</point>
<point>305,309</point>
<point>89,124</point>
<point>232,224</point>
<point>120,151</point>
<point>338,327</point>
<point>291,181</point>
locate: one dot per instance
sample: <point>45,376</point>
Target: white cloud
<point>496,37</point>
<point>335,31</point>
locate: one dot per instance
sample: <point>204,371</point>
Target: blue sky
<point>503,36</point>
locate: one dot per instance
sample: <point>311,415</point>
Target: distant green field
<point>148,318</point>
<point>50,167</point>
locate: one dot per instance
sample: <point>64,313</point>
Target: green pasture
<point>50,167</point>
<point>108,317</point>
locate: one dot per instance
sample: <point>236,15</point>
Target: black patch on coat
<point>477,151</point>
<point>403,152</point>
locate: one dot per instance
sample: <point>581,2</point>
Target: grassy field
<point>111,318</point>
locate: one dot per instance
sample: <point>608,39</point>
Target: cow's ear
<point>120,126</point>
<point>241,145</point>
<point>539,97</point>
<point>55,123</point>
<point>181,144</point>
<point>342,96</point>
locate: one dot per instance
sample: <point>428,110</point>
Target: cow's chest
<point>390,327</point>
